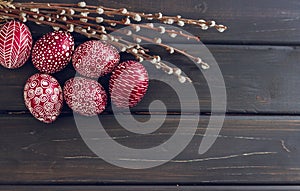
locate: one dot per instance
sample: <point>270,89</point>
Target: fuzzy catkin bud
<point>134,51</point>
<point>171,50</point>
<point>212,23</point>
<point>137,17</point>
<point>71,28</point>
<point>35,10</point>
<point>204,66</point>
<point>123,49</point>
<point>159,15</point>
<point>137,28</point>
<point>124,11</point>
<point>140,59</point>
<point>162,29</point>
<point>153,61</point>
<point>157,40</point>
<point>99,10</point>
<point>84,20</point>
<point>138,40</point>
<point>56,28</point>
<point>85,14</point>
<point>104,37</point>
<point>177,71</point>
<point>170,71</point>
<point>204,27</point>
<point>129,32</point>
<point>99,19</point>
<point>151,25</point>
<point>198,60</point>
<point>221,28</point>
<point>82,4</point>
<point>180,23</point>
<point>173,35</point>
<point>127,21</point>
<point>169,21</point>
<point>62,12</point>
<point>71,11</point>
<point>182,79</point>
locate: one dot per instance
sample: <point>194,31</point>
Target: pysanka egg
<point>95,58</point>
<point>85,96</point>
<point>43,97</point>
<point>128,84</point>
<point>15,44</point>
<point>53,51</point>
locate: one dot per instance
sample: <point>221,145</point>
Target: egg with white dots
<point>53,52</point>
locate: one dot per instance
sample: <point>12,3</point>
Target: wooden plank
<point>249,150</point>
<point>259,79</point>
<point>146,188</point>
<point>256,21</point>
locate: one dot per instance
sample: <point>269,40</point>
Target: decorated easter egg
<point>128,84</point>
<point>15,44</point>
<point>95,58</point>
<point>85,96</point>
<point>43,97</point>
<point>53,52</point>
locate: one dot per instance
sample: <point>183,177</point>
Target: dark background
<point>257,146</point>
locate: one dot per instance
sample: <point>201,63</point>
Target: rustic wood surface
<point>249,150</point>
<point>257,148</point>
<point>259,79</point>
<point>147,188</point>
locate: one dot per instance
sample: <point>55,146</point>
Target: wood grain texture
<point>249,150</point>
<point>258,79</point>
<point>260,22</point>
<point>259,59</point>
<point>147,188</point>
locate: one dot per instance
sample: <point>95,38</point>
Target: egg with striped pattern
<point>128,84</point>
<point>15,44</point>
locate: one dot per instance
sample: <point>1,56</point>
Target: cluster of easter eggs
<point>43,94</point>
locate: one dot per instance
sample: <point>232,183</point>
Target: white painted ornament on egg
<point>128,84</point>
<point>15,44</point>
<point>43,97</point>
<point>85,96</point>
<point>53,52</point>
<point>95,58</point>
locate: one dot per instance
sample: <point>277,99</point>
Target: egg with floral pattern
<point>95,58</point>
<point>53,52</point>
<point>43,97</point>
<point>85,96</point>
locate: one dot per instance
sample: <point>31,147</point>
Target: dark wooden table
<point>257,147</point>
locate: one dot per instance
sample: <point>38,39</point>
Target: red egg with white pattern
<point>95,58</point>
<point>15,44</point>
<point>43,97</point>
<point>128,84</point>
<point>85,96</point>
<point>53,52</point>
